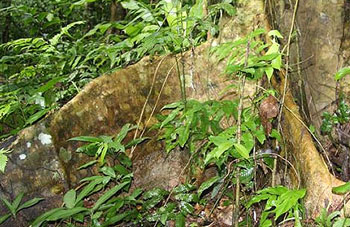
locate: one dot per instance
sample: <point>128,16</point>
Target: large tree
<point>315,48</point>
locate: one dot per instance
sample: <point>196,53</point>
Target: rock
<point>32,168</point>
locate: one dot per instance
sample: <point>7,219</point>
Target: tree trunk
<point>130,94</point>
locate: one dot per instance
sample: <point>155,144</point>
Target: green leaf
<point>256,199</point>
<point>3,162</point>
<point>108,195</point>
<point>274,48</point>
<point>87,164</point>
<point>277,62</point>
<point>115,219</point>
<point>30,203</point>
<point>207,184</point>
<point>341,73</point>
<point>17,200</point>
<point>269,72</point>
<point>69,198</point>
<point>186,207</point>
<point>136,141</point>
<point>65,213</point>
<point>9,206</point>
<point>173,105</point>
<point>260,135</point>
<point>180,220</point>
<point>39,220</point>
<point>121,135</point>
<point>163,218</point>
<point>341,222</point>
<point>275,33</point>
<point>87,189</point>
<point>131,4</point>
<point>170,117</point>
<point>36,116</point>
<point>218,151</point>
<point>288,200</point>
<point>102,151</point>
<point>242,150</point>
<point>108,171</point>
<point>4,218</point>
<point>342,189</point>
<point>90,139</point>
<point>275,134</point>
<point>49,84</point>
<point>121,169</point>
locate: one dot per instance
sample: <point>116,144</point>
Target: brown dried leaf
<point>269,108</point>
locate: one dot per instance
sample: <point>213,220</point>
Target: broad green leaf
<point>42,218</point>
<point>108,171</point>
<point>131,4</point>
<point>219,150</point>
<point>121,135</point>
<point>30,203</point>
<point>108,195</point>
<point>183,137</point>
<point>186,207</point>
<point>96,215</point>
<point>256,199</point>
<point>269,72</point>
<point>268,57</point>
<point>207,184</point>
<point>115,219</point>
<point>277,62</point>
<point>163,218</point>
<point>154,192</point>
<point>342,189</point>
<point>274,48</point>
<point>36,116</point>
<point>242,150</point>
<point>170,117</point>
<point>341,73</point>
<point>65,213</point>
<point>180,220</point>
<point>275,33</point>
<point>342,222</point>
<point>87,189</point>
<point>69,198</point>
<point>288,200</point>
<point>49,84</point>
<point>121,169</point>
<point>260,135</point>
<point>275,134</point>
<point>248,140</point>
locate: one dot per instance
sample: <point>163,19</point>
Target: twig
<point>147,99</point>
<point>154,108</point>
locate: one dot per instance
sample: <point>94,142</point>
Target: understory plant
<point>41,70</point>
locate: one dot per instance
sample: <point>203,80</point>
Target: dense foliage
<point>51,49</point>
